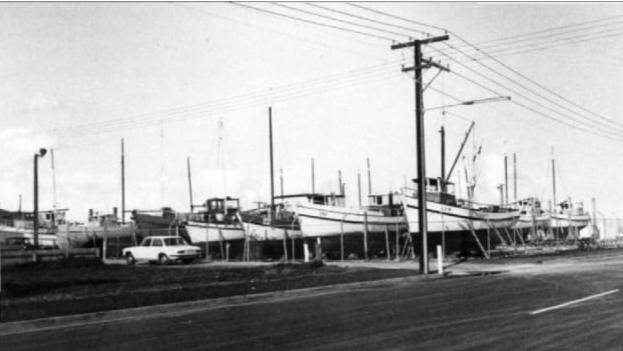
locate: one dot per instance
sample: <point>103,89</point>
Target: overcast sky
<point>78,77</point>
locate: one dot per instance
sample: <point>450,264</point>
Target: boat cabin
<point>568,208</point>
<point>48,219</point>
<point>218,210</point>
<point>386,203</point>
<point>528,206</point>
<point>332,199</point>
<point>436,191</point>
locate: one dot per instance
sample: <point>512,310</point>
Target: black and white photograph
<point>412,175</point>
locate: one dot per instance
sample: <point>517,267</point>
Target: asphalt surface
<point>488,312</point>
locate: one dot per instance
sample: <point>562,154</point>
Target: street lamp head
<point>42,152</point>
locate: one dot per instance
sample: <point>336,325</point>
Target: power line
<point>552,29</point>
<point>366,18</point>
<point>529,99</point>
<point>337,19</point>
<point>504,49</point>
<point>311,21</point>
<point>282,33</point>
<point>244,101</point>
<point>385,14</point>
<point>540,85</point>
<point>512,70</point>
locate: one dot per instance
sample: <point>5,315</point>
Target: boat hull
<point>322,221</point>
<point>446,218</point>
<point>200,232</point>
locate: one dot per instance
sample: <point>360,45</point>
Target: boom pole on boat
<point>458,154</point>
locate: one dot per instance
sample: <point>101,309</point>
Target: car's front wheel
<point>129,259</point>
<point>163,259</point>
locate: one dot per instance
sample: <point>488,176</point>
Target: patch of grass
<point>48,290</point>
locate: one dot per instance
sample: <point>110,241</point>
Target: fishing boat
<point>459,225</point>
<point>336,227</point>
<point>20,224</point>
<point>217,222</point>
<point>99,226</point>
<point>534,221</point>
<point>160,222</point>
<point>567,219</point>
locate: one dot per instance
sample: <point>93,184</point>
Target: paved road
<point>469,313</point>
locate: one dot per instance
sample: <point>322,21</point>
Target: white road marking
<point>574,302</point>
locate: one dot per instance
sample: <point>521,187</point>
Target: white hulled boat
<point>325,215</point>
<point>218,222</point>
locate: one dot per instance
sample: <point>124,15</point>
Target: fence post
<point>439,260</point>
<point>305,252</point>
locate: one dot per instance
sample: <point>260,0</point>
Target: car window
<point>174,241</point>
<point>156,242</point>
<point>146,242</point>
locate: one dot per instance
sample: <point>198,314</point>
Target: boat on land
<point>459,225</point>
<point>158,223</point>
<point>534,223</point>
<point>376,227</point>
<point>323,215</point>
<point>217,222</point>
<point>99,226</point>
<point>567,219</point>
<point>18,224</point>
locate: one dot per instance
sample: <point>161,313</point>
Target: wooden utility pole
<point>418,64</point>
<point>123,183</point>
<point>190,184</point>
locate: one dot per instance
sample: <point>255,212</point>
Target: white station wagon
<point>162,249</point>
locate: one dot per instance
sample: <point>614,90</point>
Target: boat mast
<point>54,203</point>
<point>369,177</point>
<point>514,177</point>
<point>281,181</point>
<point>442,132</point>
<point>339,181</point>
<point>505,179</point>
<point>313,180</point>
<point>161,163</point>
<point>553,179</point>
<point>272,181</point>
<point>122,182</point>
<point>190,184</point>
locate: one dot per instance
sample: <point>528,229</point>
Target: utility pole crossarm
<point>432,63</point>
<point>419,42</point>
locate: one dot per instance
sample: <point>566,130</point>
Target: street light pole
<point>35,220</point>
